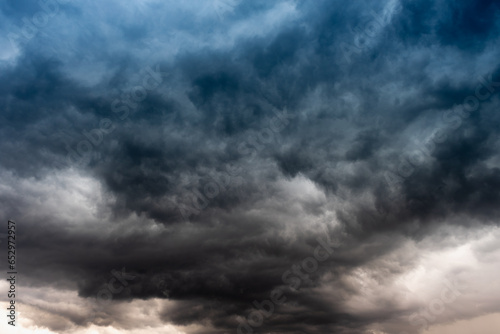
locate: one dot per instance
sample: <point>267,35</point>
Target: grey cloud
<point>80,98</point>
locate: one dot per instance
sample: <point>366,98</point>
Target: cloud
<point>203,148</point>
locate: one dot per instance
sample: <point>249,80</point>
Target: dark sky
<point>343,155</point>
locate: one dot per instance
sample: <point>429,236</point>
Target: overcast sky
<point>251,166</point>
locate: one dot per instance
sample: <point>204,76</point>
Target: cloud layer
<point>184,156</point>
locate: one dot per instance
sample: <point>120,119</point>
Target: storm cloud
<point>230,166</point>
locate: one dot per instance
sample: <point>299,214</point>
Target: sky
<point>237,166</point>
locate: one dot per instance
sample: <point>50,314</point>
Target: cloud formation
<point>208,148</point>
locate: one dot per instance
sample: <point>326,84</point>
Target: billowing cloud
<point>231,166</point>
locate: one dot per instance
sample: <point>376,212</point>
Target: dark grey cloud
<point>206,148</point>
